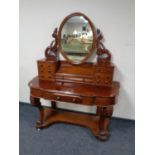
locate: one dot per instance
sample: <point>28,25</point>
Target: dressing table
<point>76,79</point>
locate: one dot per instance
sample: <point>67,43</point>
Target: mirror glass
<point>76,38</point>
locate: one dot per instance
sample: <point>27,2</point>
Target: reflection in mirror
<point>76,38</point>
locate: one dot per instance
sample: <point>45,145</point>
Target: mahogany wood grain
<point>101,96</point>
<point>52,116</point>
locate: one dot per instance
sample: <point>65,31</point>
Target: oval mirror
<point>76,38</point>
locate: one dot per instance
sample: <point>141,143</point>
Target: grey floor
<point>64,139</point>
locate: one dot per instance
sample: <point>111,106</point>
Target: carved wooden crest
<point>103,54</point>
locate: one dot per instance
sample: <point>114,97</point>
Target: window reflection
<point>76,38</point>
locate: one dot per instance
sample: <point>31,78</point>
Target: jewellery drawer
<point>103,75</point>
<point>46,69</point>
<point>102,79</point>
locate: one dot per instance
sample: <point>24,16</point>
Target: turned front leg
<point>54,104</point>
<point>36,102</point>
<point>105,114</point>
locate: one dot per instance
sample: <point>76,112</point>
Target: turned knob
<point>58,97</point>
<point>74,99</point>
<point>106,81</point>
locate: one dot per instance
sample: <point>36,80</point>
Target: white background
<point>38,18</point>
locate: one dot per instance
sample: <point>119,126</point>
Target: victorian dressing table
<point>76,79</point>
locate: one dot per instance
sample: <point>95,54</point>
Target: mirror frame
<point>90,52</point>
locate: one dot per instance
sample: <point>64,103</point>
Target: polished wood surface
<point>72,87</point>
<point>85,84</point>
<point>87,73</point>
<point>75,88</point>
<point>98,123</point>
<point>52,116</point>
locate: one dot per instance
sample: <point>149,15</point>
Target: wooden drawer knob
<point>74,99</point>
<point>106,81</point>
<point>58,97</point>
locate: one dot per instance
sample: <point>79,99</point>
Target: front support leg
<point>54,104</point>
<point>36,102</point>
<point>105,114</point>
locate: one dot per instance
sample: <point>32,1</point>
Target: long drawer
<point>100,101</point>
<point>62,97</point>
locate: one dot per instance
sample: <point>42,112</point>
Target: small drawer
<point>41,65</point>
<point>102,79</point>
<point>41,71</point>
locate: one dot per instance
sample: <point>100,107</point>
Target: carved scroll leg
<point>36,102</point>
<point>105,114</point>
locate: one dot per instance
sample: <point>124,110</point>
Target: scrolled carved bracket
<point>51,51</point>
<point>103,55</point>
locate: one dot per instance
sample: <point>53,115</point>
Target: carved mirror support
<point>51,52</point>
<point>103,55</point>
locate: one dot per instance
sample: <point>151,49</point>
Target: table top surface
<point>75,88</point>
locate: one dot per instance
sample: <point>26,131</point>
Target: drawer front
<point>73,99</point>
<point>48,96</point>
<point>62,97</point>
<point>103,70</point>
<point>46,70</point>
<point>103,79</point>
<point>105,101</point>
<point>42,70</point>
<point>103,75</point>
<point>66,98</point>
